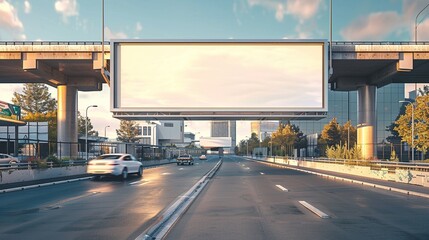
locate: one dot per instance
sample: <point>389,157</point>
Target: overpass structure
<point>76,66</point>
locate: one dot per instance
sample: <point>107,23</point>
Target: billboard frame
<point>214,113</point>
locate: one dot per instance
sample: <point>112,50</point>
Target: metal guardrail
<point>35,165</point>
<point>376,165</point>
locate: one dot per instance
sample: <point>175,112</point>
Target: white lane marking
<point>247,168</point>
<point>282,188</point>
<point>132,183</point>
<point>181,168</point>
<point>261,173</point>
<point>165,173</point>
<point>139,183</point>
<point>314,210</point>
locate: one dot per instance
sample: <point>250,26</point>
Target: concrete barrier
<point>25,175</point>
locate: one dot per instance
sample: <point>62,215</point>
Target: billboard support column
<point>366,125</point>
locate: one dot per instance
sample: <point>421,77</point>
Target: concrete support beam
<point>366,128</point>
<point>67,126</point>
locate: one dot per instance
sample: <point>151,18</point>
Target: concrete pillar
<point>67,122</point>
<point>367,122</point>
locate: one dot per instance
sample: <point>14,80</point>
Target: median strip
<point>314,210</point>
<point>172,214</point>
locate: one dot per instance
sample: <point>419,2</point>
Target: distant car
<point>182,159</point>
<point>114,164</point>
<point>8,159</point>
<point>203,157</point>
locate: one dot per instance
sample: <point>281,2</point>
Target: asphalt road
<point>243,202</point>
<point>105,209</point>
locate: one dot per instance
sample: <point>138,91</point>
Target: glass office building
<point>343,106</point>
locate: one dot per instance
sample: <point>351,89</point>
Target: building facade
<point>343,106</point>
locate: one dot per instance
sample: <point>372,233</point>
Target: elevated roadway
<point>76,66</point>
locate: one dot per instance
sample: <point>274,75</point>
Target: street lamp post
<point>105,130</point>
<point>86,130</point>
<point>416,25</point>
<point>247,147</point>
<point>412,127</point>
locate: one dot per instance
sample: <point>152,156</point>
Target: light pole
<point>416,25</point>
<point>412,127</point>
<point>105,130</point>
<point>86,130</point>
<point>247,147</point>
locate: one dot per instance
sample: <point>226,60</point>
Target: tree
<point>35,98</point>
<point>331,133</point>
<point>424,91</point>
<point>301,139</point>
<point>128,131</point>
<point>285,137</point>
<point>421,124</point>
<point>348,131</point>
<point>82,128</point>
<point>253,142</point>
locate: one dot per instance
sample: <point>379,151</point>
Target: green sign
<point>8,110</point>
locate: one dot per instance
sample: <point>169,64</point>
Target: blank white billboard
<point>211,79</point>
<point>214,142</point>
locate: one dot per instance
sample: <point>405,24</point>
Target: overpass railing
<point>335,43</point>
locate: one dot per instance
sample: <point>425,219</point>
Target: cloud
<point>302,10</point>
<point>9,17</point>
<point>139,27</point>
<point>67,8</point>
<point>27,7</point>
<point>108,34</point>
<point>375,26</point>
<point>423,31</point>
<point>378,25</point>
<point>10,24</point>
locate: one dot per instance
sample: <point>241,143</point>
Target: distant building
<point>225,129</point>
<point>161,133</point>
<point>264,129</point>
<point>189,137</point>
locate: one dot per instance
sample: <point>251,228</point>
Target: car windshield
<point>109,157</point>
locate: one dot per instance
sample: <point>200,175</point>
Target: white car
<point>114,164</point>
<point>8,159</point>
<point>203,157</point>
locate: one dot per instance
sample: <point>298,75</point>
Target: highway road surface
<point>105,209</point>
<point>244,200</point>
<point>250,200</point>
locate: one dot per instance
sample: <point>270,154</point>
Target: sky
<point>80,20</point>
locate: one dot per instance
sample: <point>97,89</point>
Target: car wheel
<point>178,164</point>
<point>124,174</point>
<point>140,172</point>
<point>13,162</point>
